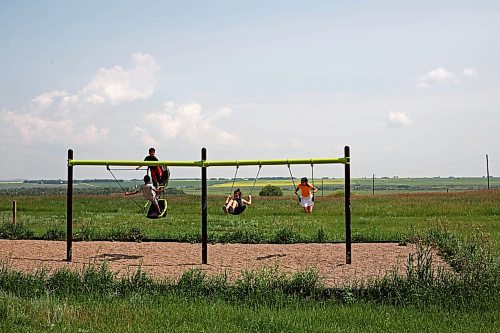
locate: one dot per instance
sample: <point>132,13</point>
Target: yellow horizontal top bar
<point>312,161</point>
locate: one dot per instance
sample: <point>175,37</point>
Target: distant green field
<point>279,219</point>
<point>460,218</point>
<point>223,187</point>
<point>400,208</point>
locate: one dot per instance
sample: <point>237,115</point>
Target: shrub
<point>320,236</point>
<point>54,233</point>
<point>86,233</point>
<point>240,236</point>
<point>174,191</point>
<point>135,234</point>
<point>337,193</point>
<point>15,231</point>
<point>271,191</point>
<point>285,235</point>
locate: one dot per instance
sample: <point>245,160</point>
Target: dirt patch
<point>171,260</point>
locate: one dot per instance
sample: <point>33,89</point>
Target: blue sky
<point>412,87</point>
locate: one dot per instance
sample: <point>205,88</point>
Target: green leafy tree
<point>271,191</point>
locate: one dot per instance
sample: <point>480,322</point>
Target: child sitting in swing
<point>236,205</point>
<point>307,199</point>
<point>149,192</point>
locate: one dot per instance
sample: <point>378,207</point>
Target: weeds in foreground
<point>15,231</point>
<point>474,285</point>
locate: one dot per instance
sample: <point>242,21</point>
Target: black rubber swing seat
<point>238,210</point>
<point>153,213</point>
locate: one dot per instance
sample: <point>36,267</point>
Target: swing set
<point>204,164</point>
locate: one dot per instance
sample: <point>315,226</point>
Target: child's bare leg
<point>227,205</point>
<point>157,205</point>
<point>231,206</point>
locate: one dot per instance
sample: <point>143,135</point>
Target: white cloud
<point>90,134</point>
<point>146,137</point>
<point>118,85</point>
<point>443,76</point>
<point>221,113</point>
<point>470,72</point>
<point>399,119</point>
<point>436,76</point>
<point>67,102</point>
<point>33,128</point>
<point>45,100</point>
<point>188,123</point>
<point>95,99</point>
<point>294,143</point>
<point>52,116</point>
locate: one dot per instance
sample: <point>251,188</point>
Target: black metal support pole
<point>347,190</point>
<point>204,233</point>
<point>69,210</point>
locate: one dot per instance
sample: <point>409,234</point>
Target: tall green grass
<point>268,220</point>
<point>476,271</point>
<point>424,298</point>
<point>169,313</point>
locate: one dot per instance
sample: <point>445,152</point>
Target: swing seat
<point>165,176</point>
<point>239,210</point>
<point>153,214</point>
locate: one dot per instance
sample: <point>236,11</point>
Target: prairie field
<point>464,226</point>
<point>394,217</point>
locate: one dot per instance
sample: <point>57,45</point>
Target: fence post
<point>373,184</point>
<point>14,212</point>
<point>488,171</point>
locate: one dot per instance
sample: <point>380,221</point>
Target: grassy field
<point>463,224</point>
<point>277,220</point>
<point>326,186</point>
<point>177,314</point>
<point>358,185</point>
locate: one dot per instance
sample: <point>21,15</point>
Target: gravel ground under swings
<point>170,260</point>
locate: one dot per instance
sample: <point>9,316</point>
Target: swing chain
<point>291,176</point>
<point>255,181</point>
<point>112,174</point>
<point>293,181</point>
<point>234,178</point>
<point>312,178</point>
